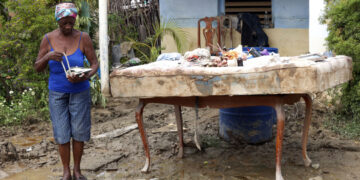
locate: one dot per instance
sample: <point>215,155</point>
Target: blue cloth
<point>58,81</point>
<point>70,116</point>
<point>169,56</point>
<point>269,49</point>
<point>65,9</point>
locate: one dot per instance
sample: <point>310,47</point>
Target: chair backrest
<point>226,26</point>
<point>209,32</point>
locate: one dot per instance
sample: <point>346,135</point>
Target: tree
<point>343,20</point>
<point>3,10</point>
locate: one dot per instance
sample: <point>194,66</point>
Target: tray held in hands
<point>77,71</point>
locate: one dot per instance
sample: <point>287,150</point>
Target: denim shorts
<point>70,115</point>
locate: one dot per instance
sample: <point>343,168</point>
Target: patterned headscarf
<point>65,9</point>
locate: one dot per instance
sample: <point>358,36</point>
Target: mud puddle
<point>34,174</point>
<point>25,141</point>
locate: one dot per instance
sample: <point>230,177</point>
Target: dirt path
<point>122,157</point>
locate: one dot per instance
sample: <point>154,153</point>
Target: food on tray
<point>78,70</point>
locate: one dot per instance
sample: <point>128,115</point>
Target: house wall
<point>290,13</point>
<point>317,32</point>
<point>290,38</point>
<point>186,13</point>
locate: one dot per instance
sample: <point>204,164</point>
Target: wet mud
<point>30,152</point>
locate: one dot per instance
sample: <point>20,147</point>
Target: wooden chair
<point>209,31</point>
<point>226,27</point>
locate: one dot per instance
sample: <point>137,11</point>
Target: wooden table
<point>271,85</point>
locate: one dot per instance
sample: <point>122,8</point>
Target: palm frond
<point>161,29</point>
<point>136,45</point>
<point>170,27</point>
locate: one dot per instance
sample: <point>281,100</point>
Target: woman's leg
<point>78,148</point>
<point>64,150</point>
<point>60,118</point>
<point>79,107</point>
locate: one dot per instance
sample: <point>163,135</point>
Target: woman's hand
<point>45,55</point>
<point>55,55</point>
<point>76,78</point>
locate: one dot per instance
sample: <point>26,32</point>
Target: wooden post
<point>104,46</point>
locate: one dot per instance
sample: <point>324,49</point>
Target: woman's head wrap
<point>65,9</point>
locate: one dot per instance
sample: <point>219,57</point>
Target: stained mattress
<point>260,76</point>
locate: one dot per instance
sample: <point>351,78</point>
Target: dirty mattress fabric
<point>259,64</point>
<point>263,75</point>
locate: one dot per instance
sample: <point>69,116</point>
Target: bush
<point>22,109</point>
<point>20,39</point>
<point>343,20</point>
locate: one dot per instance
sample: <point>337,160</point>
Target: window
<point>262,8</point>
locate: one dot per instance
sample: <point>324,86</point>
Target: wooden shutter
<point>262,8</point>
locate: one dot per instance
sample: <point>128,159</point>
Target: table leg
<point>139,120</point>
<point>307,122</point>
<point>279,138</point>
<point>179,124</point>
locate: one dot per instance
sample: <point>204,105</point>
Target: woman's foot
<point>81,177</point>
<point>66,174</point>
<point>66,177</point>
<point>78,175</point>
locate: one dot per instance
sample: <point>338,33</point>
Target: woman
<point>69,95</point>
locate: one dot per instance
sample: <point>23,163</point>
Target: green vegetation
<point>20,38</point>
<point>343,20</point>
<point>210,141</point>
<point>21,110</point>
<point>119,30</point>
<point>151,44</point>
<point>3,10</point>
<point>87,19</point>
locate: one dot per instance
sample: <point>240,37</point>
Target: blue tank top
<point>58,81</point>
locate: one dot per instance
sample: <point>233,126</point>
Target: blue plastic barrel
<point>251,124</point>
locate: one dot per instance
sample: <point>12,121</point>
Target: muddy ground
<point>29,152</point>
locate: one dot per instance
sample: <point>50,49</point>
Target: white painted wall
<point>317,31</point>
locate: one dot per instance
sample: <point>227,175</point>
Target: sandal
<point>62,178</point>
<point>80,178</point>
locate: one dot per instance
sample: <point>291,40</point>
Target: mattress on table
<point>258,76</point>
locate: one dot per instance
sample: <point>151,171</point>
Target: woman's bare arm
<point>90,54</point>
<point>45,55</point>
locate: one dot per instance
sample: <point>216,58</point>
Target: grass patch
<point>345,126</point>
<point>210,141</point>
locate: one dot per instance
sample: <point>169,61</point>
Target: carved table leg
<point>307,122</point>
<point>279,138</point>
<point>139,120</point>
<point>179,124</point>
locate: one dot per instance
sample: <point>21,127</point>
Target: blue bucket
<point>251,124</point>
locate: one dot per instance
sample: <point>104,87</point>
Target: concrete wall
<point>290,42</point>
<point>291,18</point>
<point>290,13</point>
<point>317,31</point>
<point>187,12</point>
